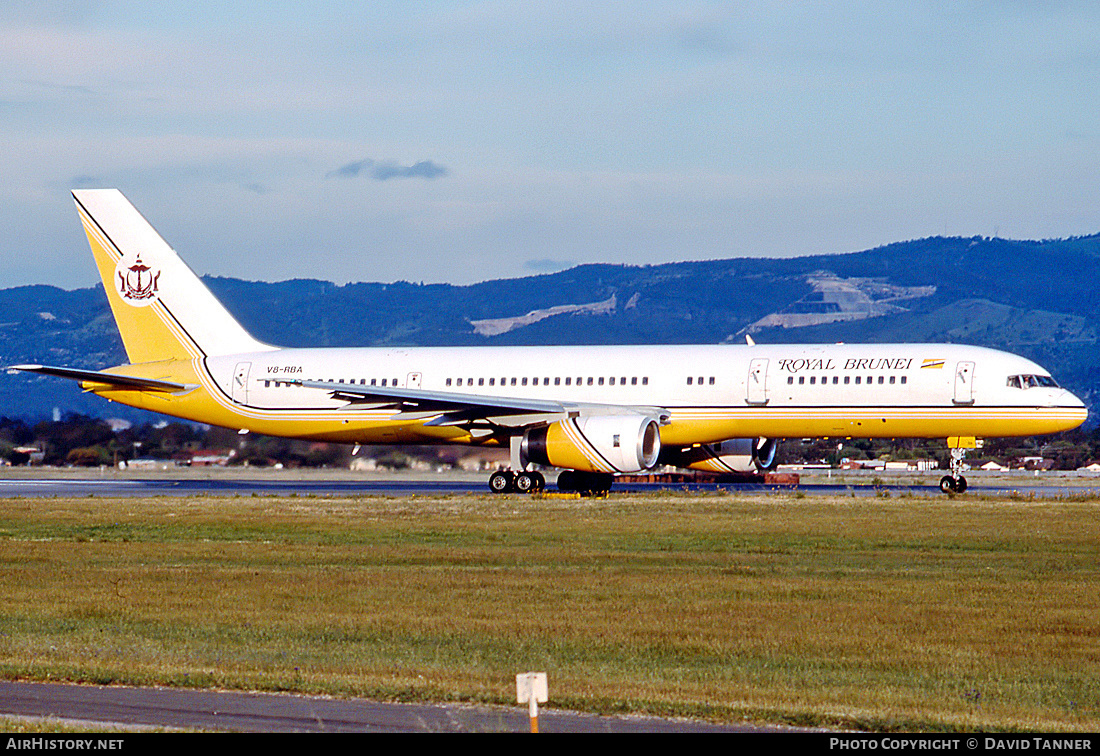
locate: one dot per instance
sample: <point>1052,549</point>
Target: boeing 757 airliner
<point>592,412</point>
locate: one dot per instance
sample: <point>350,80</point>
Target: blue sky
<point>464,141</point>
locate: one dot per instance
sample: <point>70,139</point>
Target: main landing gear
<point>532,481</point>
<point>525,481</point>
<point>585,483</point>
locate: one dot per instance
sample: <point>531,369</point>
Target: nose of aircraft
<point>1069,399</point>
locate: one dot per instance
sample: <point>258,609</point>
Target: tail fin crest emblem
<point>137,283</point>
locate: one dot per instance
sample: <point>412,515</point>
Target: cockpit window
<point>1031,381</point>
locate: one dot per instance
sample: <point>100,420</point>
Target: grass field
<point>876,613</point>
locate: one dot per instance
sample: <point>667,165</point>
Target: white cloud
<point>592,132</point>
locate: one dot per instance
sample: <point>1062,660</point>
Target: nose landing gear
<point>955,483</point>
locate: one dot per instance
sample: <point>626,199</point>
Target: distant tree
<point>15,431</point>
<point>88,456</point>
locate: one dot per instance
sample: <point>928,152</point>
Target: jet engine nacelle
<point>600,443</point>
<point>735,455</point>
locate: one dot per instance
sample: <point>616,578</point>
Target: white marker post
<point>531,689</point>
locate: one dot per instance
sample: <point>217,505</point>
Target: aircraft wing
<point>110,379</point>
<point>459,408</point>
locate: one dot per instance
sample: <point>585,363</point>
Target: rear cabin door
<point>413,380</point>
<point>239,389</point>
<point>964,383</point>
<point>756,391</point>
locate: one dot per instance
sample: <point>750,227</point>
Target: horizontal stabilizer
<point>110,379</point>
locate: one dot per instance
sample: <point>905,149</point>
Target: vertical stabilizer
<point>163,310</point>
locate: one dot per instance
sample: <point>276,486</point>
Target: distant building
<point>1037,463</point>
<point>147,464</point>
<point>211,458</point>
<point>913,465</point>
<point>35,454</point>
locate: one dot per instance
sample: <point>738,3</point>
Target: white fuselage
<point>887,390</point>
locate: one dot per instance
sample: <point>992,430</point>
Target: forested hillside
<point>1035,298</point>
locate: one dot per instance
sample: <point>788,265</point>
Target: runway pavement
<point>261,712</point>
<point>287,484</point>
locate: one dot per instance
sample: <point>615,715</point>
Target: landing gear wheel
<point>951,485</point>
<point>525,483</point>
<point>529,482</point>
<point>501,482</point>
<point>595,484</point>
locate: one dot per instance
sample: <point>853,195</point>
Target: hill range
<point>1038,299</point>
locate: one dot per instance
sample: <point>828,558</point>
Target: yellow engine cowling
<point>735,455</point>
<point>600,443</point>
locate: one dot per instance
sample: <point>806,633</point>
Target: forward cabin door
<point>964,383</point>
<point>756,391</point>
<point>239,389</point>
